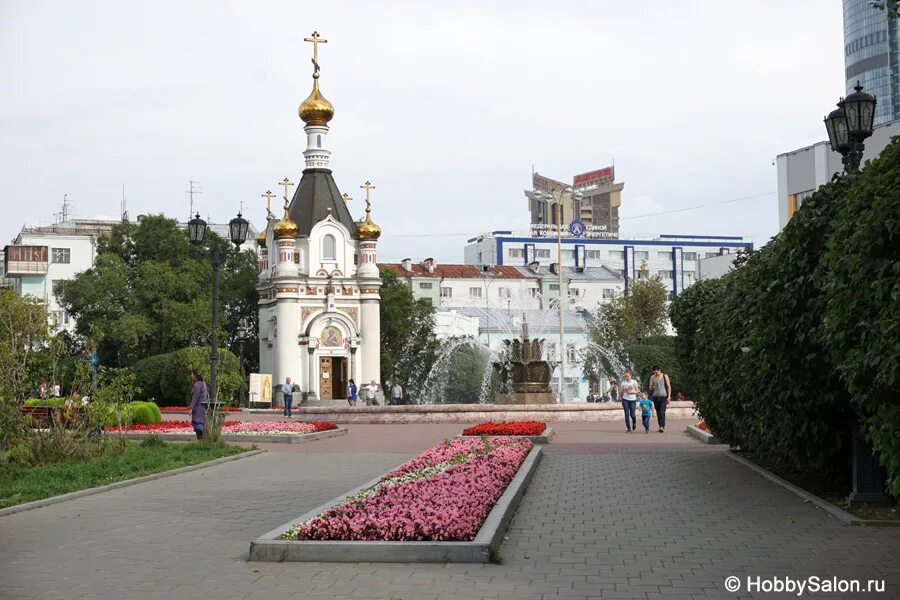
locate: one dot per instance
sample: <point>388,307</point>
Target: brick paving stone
<point>609,515</point>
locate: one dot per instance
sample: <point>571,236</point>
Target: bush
<point>140,412</point>
<point>862,325</point>
<point>167,377</point>
<point>655,351</point>
<point>761,375</point>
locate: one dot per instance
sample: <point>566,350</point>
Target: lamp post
<point>237,229</point>
<point>849,125</point>
<point>555,194</point>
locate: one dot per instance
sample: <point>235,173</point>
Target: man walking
<point>287,390</point>
<point>370,392</point>
<point>661,389</point>
<point>396,394</point>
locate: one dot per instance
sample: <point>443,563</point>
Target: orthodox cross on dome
<point>315,39</point>
<point>368,187</point>
<point>286,183</point>
<point>346,198</point>
<point>268,196</point>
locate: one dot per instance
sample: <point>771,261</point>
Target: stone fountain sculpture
<point>524,374</point>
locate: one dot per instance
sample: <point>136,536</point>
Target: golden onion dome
<point>316,109</point>
<point>285,228</point>
<point>368,230</point>
<point>261,239</point>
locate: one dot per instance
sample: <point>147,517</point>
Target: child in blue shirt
<point>646,408</point>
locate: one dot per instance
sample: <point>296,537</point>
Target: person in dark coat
<point>198,397</point>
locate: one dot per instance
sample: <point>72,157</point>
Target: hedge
<point>862,323</point>
<point>166,378</point>
<point>791,352</point>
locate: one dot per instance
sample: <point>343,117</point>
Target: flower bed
<point>186,410</point>
<point>514,428</point>
<point>444,494</point>
<point>237,427</point>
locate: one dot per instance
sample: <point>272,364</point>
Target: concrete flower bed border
<point>543,438</point>
<point>704,436</point>
<point>269,548</point>
<point>237,437</point>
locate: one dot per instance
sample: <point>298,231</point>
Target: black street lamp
<point>237,229</point>
<point>849,125</point>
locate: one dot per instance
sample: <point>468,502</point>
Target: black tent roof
<point>316,194</point>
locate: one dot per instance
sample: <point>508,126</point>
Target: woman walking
<point>198,397</point>
<point>351,393</point>
<point>629,388</point>
<point>661,389</point>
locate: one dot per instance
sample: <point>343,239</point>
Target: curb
<point>120,484</point>
<point>239,438</point>
<point>833,510</point>
<point>704,436</point>
<point>268,548</point>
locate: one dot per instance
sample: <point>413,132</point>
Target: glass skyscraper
<point>871,44</point>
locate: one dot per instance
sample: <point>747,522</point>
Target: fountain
<point>524,374</point>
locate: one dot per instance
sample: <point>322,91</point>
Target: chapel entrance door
<point>339,377</point>
<point>325,378</point>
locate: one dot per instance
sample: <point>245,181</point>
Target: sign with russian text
<point>604,176</point>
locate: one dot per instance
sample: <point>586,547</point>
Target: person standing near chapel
<point>370,392</point>
<point>396,394</point>
<point>661,389</point>
<point>287,390</point>
<point>629,388</point>
<point>198,397</point>
<point>351,393</point>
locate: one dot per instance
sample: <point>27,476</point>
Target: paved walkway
<point>608,515</point>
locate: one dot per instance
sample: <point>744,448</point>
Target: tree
<point>149,293</point>
<point>23,332</point>
<point>639,313</point>
<point>408,346</point>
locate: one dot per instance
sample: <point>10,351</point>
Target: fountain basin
<point>474,413</point>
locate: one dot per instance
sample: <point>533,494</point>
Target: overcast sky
<point>444,106</point>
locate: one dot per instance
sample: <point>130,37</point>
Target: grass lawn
<point>34,483</point>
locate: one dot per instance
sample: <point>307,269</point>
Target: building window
<point>574,293</point>
<point>617,254</point>
<point>542,253</point>
<point>516,252</point>
<point>427,301</point>
<point>664,255</point>
<point>62,256</point>
<point>593,254</point>
<point>551,351</point>
<point>425,285</point>
<point>690,256</point>
<point>474,292</point>
<point>711,254</point>
<point>801,196</point>
<point>642,255</point>
<point>609,293</point>
<point>534,292</point>
<point>570,353</point>
<point>328,247</point>
<point>666,274</point>
<point>503,292</point>
<point>554,287</point>
<point>356,259</point>
<point>446,292</point>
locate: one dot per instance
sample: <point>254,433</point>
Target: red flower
<point>514,428</point>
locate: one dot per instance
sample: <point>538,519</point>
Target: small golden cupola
<point>261,239</point>
<point>368,230</point>
<point>316,109</point>
<point>285,228</point>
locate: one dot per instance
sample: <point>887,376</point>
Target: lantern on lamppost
<point>849,125</point>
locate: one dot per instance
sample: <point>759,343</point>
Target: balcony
<point>26,260</point>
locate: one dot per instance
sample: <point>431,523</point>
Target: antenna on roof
<point>123,210</point>
<point>193,188</point>
<point>63,214</point>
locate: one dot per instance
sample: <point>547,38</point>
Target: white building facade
<point>801,172</point>
<point>319,303</point>
<point>675,258</point>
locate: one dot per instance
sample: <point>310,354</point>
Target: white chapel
<point>318,282</point>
